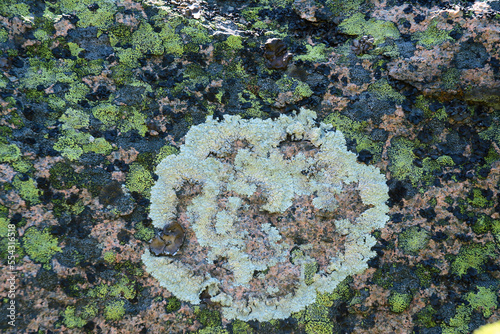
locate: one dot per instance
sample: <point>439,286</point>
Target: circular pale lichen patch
<point>273,211</point>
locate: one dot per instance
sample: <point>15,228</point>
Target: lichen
<point>9,153</point>
<point>433,35</point>
<point>40,246</point>
<point>485,300</point>
<point>399,301</point>
<point>259,168</point>
<point>379,29</point>
<point>114,310</point>
<point>413,239</point>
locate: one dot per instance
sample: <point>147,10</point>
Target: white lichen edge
<point>282,180</point>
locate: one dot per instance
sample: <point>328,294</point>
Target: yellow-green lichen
<point>9,153</point>
<point>114,310</point>
<point>316,53</point>
<point>146,40</point>
<point>27,189</point>
<point>413,240</point>
<point>139,179</point>
<point>40,246</point>
<point>380,30</point>
<point>459,324</point>
<point>234,42</point>
<point>4,35</point>
<point>433,35</point>
<point>143,233</point>
<point>484,300</point>
<point>402,165</point>
<point>241,327</point>
<point>356,131</point>
<point>71,320</point>
<point>109,257</point>
<point>472,256</point>
<point>399,301</point>
<point>383,90</point>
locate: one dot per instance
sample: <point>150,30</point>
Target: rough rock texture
<point>94,94</point>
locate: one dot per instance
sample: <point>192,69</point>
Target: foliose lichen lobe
<point>258,191</point>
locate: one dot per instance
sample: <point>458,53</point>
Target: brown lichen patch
<point>362,45</point>
<point>276,54</point>
<point>168,241</point>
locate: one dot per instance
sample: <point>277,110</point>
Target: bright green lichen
<point>234,42</point>
<point>71,320</point>
<point>173,304</point>
<point>124,117</point>
<point>27,189</point>
<point>139,179</point>
<point>344,7</point>
<point>459,324</point>
<point>74,119</point>
<point>124,288</point>
<point>432,36</point>
<point>208,318</point>
<point>383,90</point>
<point>114,310</point>
<point>46,73</point>
<point>402,167</point>
<point>102,18</point>
<point>478,200</point>
<point>484,300</point>
<point>171,41</point>
<point>356,131</point>
<point>146,40</point>
<point>413,239</point>
<point>4,35</point>
<point>298,88</point>
<point>316,53</point>
<point>399,301</point>
<point>143,233</point>
<point>472,256</point>
<point>241,327</point>
<point>379,29</point>
<point>40,246</point>
<point>319,327</point>
<point>9,153</point>
<point>76,92</point>
<point>70,144</point>
<point>109,257</point>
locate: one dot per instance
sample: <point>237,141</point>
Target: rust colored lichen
<point>276,54</point>
<point>168,241</point>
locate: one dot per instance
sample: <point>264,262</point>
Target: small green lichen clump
<point>213,160</point>
<point>40,246</point>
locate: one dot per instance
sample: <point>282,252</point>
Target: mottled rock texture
<point>94,94</point>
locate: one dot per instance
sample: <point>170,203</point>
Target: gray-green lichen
<point>260,167</point>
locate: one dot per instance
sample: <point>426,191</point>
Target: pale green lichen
<point>139,179</point>
<point>114,310</point>
<point>485,300</point>
<point>27,189</point>
<point>399,301</point>
<point>9,153</point>
<point>433,35</point>
<point>281,180</point>
<point>40,246</point>
<point>316,53</point>
<point>379,29</point>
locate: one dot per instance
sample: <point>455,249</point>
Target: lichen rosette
<point>274,211</point>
